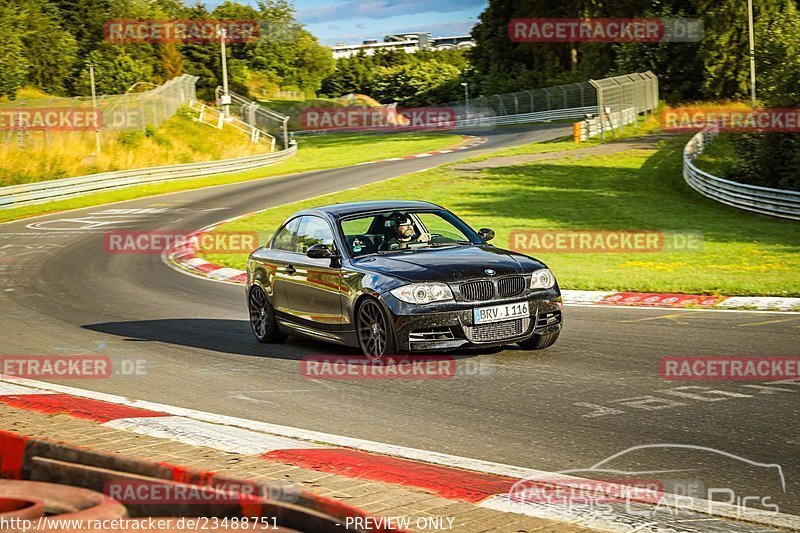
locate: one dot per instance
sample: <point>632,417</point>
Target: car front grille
<point>473,291</point>
<point>510,286</point>
<point>497,331</point>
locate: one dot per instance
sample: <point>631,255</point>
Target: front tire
<point>539,342</point>
<point>262,318</point>
<point>375,331</point>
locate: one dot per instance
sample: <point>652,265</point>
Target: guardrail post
<point>600,108</point>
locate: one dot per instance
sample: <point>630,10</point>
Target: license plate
<point>497,313</point>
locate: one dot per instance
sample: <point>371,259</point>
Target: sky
<point>352,21</point>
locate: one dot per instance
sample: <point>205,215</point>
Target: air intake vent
<point>497,331</point>
<point>548,319</point>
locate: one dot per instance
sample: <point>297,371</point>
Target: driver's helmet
<point>400,222</point>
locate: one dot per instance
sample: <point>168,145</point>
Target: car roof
<point>353,208</point>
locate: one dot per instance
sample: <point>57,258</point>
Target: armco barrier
<point>475,121</point>
<point>763,200</point>
<point>44,191</point>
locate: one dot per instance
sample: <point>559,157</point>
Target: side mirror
<point>486,234</point>
<point>319,251</point>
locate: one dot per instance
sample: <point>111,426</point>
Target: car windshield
<point>397,231</point>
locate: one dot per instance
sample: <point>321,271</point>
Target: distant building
<point>407,42</point>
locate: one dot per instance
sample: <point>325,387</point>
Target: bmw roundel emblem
<point>490,272</point>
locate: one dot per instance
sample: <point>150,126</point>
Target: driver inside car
<point>402,233</point>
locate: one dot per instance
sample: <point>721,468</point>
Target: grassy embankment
<point>638,189</point>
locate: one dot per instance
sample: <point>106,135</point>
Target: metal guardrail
<point>45,191</point>
<point>524,118</point>
<point>475,121</point>
<point>763,200</point>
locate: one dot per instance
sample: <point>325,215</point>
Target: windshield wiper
<point>455,243</point>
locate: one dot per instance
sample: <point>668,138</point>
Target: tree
<point>678,65</point>
<point>417,84</point>
<point>51,51</point>
<point>14,64</point>
<point>115,71</point>
<point>778,57</point>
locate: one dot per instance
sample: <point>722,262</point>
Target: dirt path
<point>640,143</point>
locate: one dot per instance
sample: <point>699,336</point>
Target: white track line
<point>198,433</point>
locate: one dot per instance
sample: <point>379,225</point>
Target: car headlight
<point>423,293</point>
<point>542,279</point>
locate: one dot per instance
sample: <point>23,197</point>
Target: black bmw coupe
<point>396,277</point>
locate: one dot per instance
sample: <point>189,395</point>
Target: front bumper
<point>449,325</point>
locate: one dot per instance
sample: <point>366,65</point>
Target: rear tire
<point>539,342</point>
<point>262,318</point>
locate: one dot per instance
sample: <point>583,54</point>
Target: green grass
<point>719,158</point>
<point>315,153</point>
<point>742,254</point>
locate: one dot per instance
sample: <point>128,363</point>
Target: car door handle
<point>290,270</point>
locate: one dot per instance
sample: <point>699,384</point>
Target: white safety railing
<point>45,191</point>
<point>594,126</point>
<point>216,118</point>
<point>763,200</point>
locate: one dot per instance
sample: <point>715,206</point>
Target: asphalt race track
<point>597,392</point>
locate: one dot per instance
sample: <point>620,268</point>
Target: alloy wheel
<point>372,330</point>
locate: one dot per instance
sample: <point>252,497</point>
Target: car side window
<point>312,230</point>
<point>285,238</point>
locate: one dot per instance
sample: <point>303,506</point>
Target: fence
<point>256,115</point>
<point>217,119</point>
<point>615,95</point>
<point>615,102</point>
<point>763,200</point>
<point>131,111</point>
<point>44,191</point>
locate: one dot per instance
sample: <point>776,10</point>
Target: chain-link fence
<point>621,99</point>
<point>546,99</point>
<point>256,115</point>
<point>41,121</point>
<point>606,104</point>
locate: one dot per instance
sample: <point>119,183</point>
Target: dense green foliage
<point>49,43</point>
<point>422,78</point>
<point>715,68</point>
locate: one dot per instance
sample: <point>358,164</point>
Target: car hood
<point>449,264</point>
